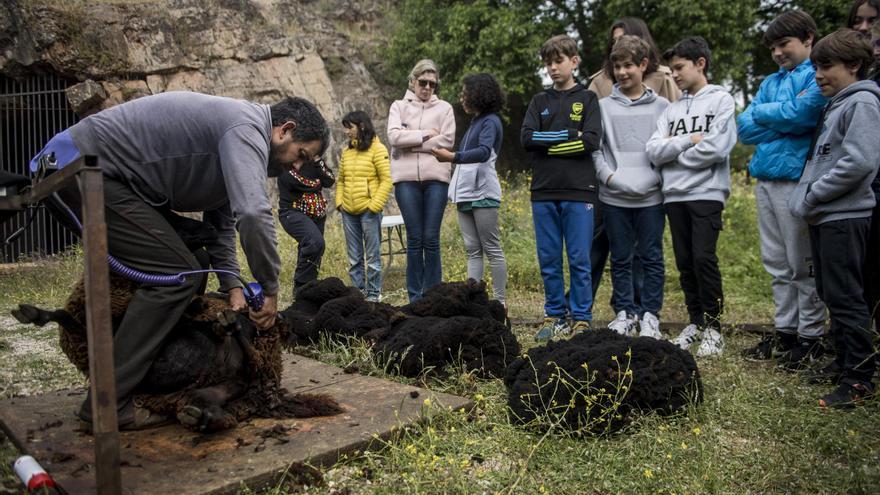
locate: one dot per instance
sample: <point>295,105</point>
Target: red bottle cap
<point>40,480</point>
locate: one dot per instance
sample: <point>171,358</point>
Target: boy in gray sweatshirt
<point>630,197</point>
<point>691,146</point>
<point>834,196</point>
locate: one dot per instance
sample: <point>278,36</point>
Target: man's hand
<point>442,154</point>
<point>265,317</point>
<point>236,299</point>
<point>696,138</point>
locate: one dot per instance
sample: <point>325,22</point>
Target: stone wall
<point>259,50</point>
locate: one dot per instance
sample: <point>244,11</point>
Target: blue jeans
<point>571,222</point>
<point>363,236</point>
<point>634,231</point>
<point>422,205</point>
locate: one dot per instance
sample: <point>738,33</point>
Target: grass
<point>758,430</point>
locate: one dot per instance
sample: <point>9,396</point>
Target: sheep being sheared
<point>214,370</point>
<point>597,381</point>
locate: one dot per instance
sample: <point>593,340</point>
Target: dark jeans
<point>872,268</point>
<point>838,257</point>
<point>141,238</point>
<point>422,205</point>
<point>309,235</point>
<point>695,226</point>
<point>631,232</point>
<point>599,256</point>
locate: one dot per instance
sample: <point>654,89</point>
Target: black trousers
<point>141,237</point>
<point>695,226</point>
<point>309,235</point>
<point>872,269</point>
<point>838,249</point>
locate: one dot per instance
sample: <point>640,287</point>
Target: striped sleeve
<point>549,137</point>
<point>567,148</point>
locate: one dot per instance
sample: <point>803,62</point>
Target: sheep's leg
<point>40,317</point>
<point>204,410</point>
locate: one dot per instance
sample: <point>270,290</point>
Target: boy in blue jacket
<point>562,128</point>
<point>780,121</point>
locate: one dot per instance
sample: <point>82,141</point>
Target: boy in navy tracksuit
<point>780,121</point>
<point>834,196</point>
<point>562,128</point>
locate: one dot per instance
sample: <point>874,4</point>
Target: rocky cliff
<point>260,50</point>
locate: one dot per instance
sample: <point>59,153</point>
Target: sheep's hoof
<point>190,416</point>
<point>30,314</point>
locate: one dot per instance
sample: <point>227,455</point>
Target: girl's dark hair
<point>853,10</point>
<point>483,93</point>
<point>364,125</point>
<point>635,27</point>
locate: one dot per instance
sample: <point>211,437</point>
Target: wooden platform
<point>172,459</point>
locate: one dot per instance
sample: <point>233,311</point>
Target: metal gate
<point>32,110</point>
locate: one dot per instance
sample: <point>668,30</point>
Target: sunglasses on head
<point>425,83</point>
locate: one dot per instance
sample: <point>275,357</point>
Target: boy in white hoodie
<point>691,146</point>
<point>630,189</point>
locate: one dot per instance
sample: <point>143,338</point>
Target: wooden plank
<point>99,333</point>
<point>172,459</point>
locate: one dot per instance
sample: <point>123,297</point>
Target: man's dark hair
<point>560,45</point>
<point>854,10</point>
<point>483,93</point>
<point>636,27</point>
<point>845,46</point>
<point>794,23</point>
<point>693,48</point>
<point>310,124</point>
<point>364,125</point>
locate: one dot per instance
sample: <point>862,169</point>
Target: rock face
<point>259,50</point>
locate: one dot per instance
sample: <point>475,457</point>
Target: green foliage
<point>464,37</point>
<point>503,37</point>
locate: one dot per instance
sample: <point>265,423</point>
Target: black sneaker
<point>828,375</point>
<point>762,351</point>
<point>771,346</point>
<point>802,356</point>
<point>847,396</point>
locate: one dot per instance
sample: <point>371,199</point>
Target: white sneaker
<point>649,326</point>
<point>688,336</point>
<point>623,324</point>
<point>712,345</point>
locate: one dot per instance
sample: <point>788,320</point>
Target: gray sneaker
<point>552,328</point>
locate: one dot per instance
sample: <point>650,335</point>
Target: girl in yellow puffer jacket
<point>362,188</point>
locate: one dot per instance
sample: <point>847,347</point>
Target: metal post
<point>100,336</point>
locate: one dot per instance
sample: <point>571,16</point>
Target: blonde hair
<point>422,66</point>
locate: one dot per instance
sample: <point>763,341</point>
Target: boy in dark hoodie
<point>562,128</point>
<point>691,146</point>
<point>834,196</point>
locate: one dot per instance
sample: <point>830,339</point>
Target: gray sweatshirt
<point>695,172</point>
<point>836,183</point>
<point>627,125</point>
<point>195,153</point>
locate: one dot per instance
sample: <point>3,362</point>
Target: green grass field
<point>758,430</point>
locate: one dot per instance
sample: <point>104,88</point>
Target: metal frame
<point>97,283</point>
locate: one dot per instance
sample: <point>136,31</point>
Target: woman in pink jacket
<point>417,124</point>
